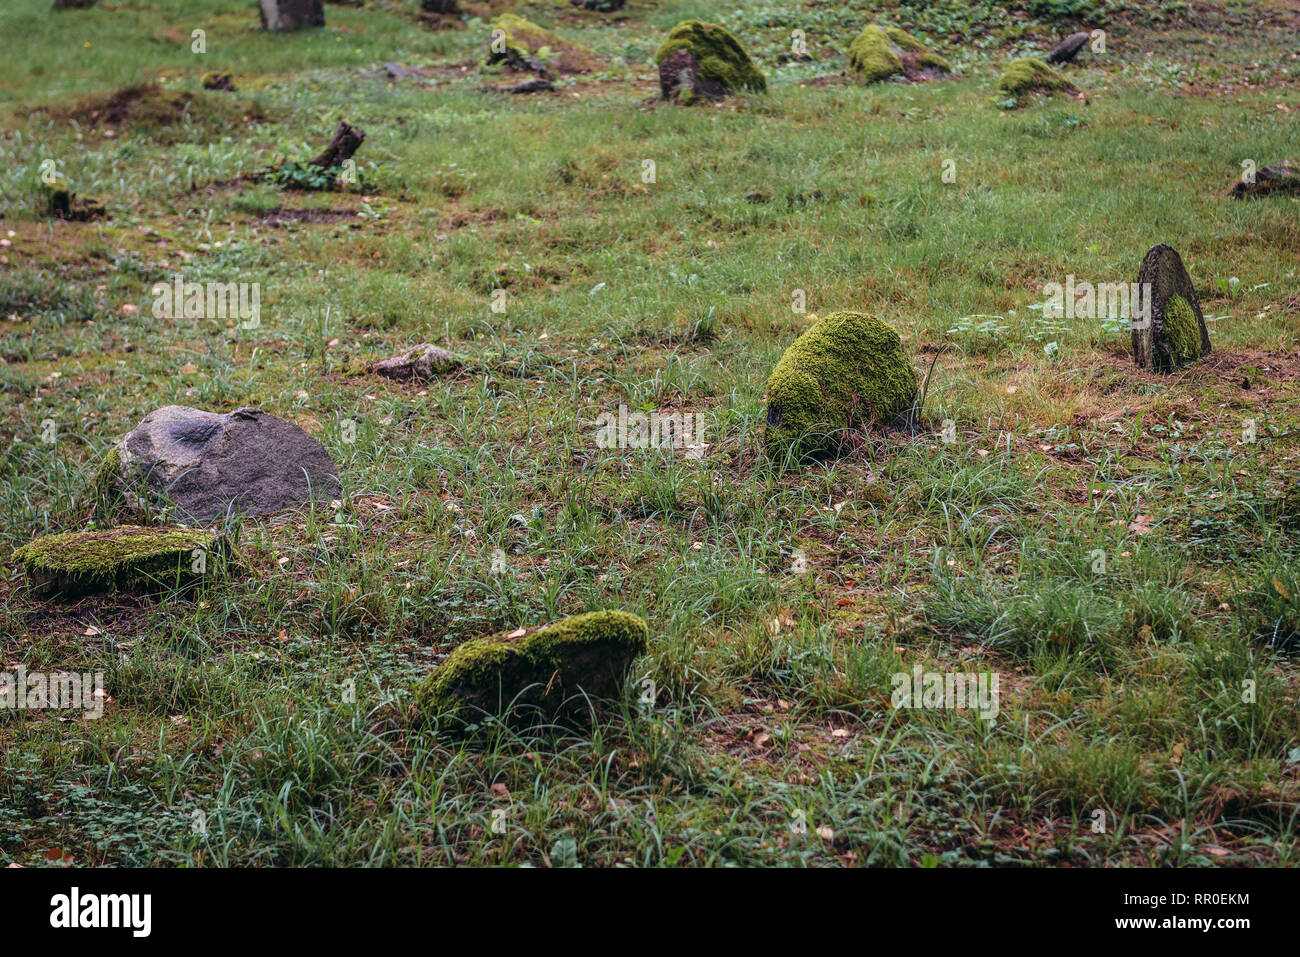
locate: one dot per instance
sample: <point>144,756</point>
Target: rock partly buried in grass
<point>877,53</point>
<point>704,61</point>
<point>421,362</point>
<point>1173,333</point>
<point>74,4</point>
<point>847,373</point>
<point>284,15</point>
<point>1029,75</point>
<point>204,466</point>
<point>125,558</point>
<point>520,45</point>
<point>63,203</point>
<point>1068,49</point>
<point>1283,177</point>
<point>218,81</point>
<point>544,672</point>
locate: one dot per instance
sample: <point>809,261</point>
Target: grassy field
<point>1105,540</point>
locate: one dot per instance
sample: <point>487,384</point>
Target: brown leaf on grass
<point>1141,525</point>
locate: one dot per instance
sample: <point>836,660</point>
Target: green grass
<point>266,719</point>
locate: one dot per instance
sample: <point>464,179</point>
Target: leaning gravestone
<point>1173,334</point>
<point>284,15</point>
<point>1068,49</point>
<point>204,465</point>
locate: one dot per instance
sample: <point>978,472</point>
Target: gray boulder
<point>206,465</point>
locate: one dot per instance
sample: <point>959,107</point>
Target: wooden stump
<point>292,14</point>
<point>347,140</point>
<point>1159,344</point>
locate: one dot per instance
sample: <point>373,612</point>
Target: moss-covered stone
<point>1182,333</point>
<point>1031,75</point>
<point>520,44</point>
<point>545,671</point>
<point>847,372</point>
<point>720,62</point>
<point>126,558</point>
<point>877,53</point>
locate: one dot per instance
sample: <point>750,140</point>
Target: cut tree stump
<point>284,15</point>
<point>1156,346</point>
<point>347,140</point>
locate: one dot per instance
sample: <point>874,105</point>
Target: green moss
<point>847,371</point>
<point>1182,333</point>
<point>719,57</point>
<point>527,45</point>
<point>124,558</point>
<point>590,652</point>
<point>878,53</point>
<point>1028,74</point>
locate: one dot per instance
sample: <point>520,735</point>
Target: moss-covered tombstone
<point>1169,332</point>
<point>126,558</point>
<point>877,53</point>
<point>704,61</point>
<point>1030,75</point>
<point>520,44</point>
<point>847,373</point>
<point>539,673</point>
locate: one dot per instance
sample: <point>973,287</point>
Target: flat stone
<point>420,362</point>
<point>125,558</point>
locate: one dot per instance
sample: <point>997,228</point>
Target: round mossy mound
<point>543,672</point>
<point>877,53</point>
<point>126,558</point>
<point>846,373</point>
<point>720,61</point>
<point>1031,75</point>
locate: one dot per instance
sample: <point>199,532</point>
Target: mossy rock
<point>1283,177</point>
<point>540,673</point>
<point>126,558</point>
<point>420,363</point>
<point>520,44</point>
<point>847,373</point>
<point>877,53</point>
<point>1176,335</point>
<point>1031,75</point>
<point>711,57</point>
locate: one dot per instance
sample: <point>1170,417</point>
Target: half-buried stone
<point>1283,177</point>
<point>703,61</point>
<point>877,53</point>
<point>538,673</point>
<point>203,466</point>
<point>521,45</point>
<point>1176,334</point>
<point>845,374</point>
<point>420,363</point>
<point>125,558</point>
<point>1029,75</point>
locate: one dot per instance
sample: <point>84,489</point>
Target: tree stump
<point>1069,49</point>
<point>1174,332</point>
<point>283,15</point>
<point>347,140</point>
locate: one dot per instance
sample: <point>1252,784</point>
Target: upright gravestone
<point>1170,332</point>
<point>284,15</point>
